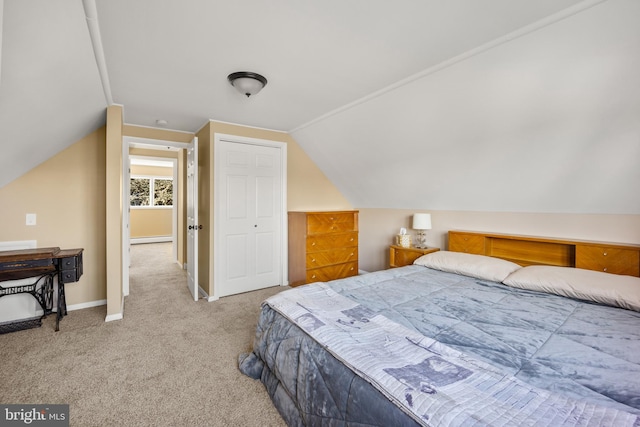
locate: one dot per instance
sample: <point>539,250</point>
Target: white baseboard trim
<point>86,305</point>
<point>157,239</point>
<point>112,317</point>
<point>206,296</point>
<point>116,316</point>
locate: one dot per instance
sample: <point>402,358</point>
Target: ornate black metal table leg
<point>46,292</point>
<point>62,305</point>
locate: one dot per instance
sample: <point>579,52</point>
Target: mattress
<point>472,352</point>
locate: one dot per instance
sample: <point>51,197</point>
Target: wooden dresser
<point>526,250</point>
<point>323,246</point>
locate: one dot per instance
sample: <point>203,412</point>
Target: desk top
<point>23,263</point>
<point>28,254</point>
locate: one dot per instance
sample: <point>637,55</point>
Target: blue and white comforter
<point>446,350</point>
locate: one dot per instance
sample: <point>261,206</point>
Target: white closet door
<point>249,217</point>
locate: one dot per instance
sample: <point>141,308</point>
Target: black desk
<point>42,264</point>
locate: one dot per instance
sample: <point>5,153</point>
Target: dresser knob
<point>351,254</point>
<point>605,254</point>
<point>313,244</point>
<point>313,277</point>
<point>313,260</point>
<point>605,269</point>
<point>351,268</point>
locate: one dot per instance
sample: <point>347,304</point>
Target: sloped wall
<point>546,122</point>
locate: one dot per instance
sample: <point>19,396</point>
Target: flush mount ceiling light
<point>246,82</point>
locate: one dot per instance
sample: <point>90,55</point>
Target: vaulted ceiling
<point>382,95</point>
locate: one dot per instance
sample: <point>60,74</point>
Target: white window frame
<point>152,179</point>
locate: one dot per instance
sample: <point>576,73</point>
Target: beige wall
<point>156,133</point>
<point>378,228</point>
<point>150,222</point>
<point>152,170</point>
<point>67,194</point>
<point>205,205</point>
<point>115,296</point>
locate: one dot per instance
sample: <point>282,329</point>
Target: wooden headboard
<point>613,258</point>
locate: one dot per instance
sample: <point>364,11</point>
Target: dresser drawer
<point>326,242</point>
<point>332,222</point>
<point>325,274</point>
<point>469,243</point>
<point>607,259</point>
<point>400,256</point>
<point>335,256</point>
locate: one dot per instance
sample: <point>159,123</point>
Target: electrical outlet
<point>31,219</point>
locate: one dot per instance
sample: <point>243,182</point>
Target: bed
<point>456,339</point>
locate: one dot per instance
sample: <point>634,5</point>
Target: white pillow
<point>597,286</point>
<point>478,266</point>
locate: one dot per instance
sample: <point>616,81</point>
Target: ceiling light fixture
<point>247,83</point>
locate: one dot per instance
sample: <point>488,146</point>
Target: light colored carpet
<point>170,362</point>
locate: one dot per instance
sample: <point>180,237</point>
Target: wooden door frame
<point>282,146</point>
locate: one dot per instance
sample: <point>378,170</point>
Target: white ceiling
<point>169,60</point>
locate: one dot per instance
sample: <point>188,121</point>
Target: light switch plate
<point>31,219</point>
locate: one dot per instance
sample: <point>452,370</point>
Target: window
<point>163,192</point>
<point>151,191</point>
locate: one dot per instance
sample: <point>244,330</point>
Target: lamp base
<point>421,240</point>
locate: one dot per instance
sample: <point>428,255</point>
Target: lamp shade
<point>421,221</point>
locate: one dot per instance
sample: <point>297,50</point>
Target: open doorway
<point>153,208</point>
<point>152,204</point>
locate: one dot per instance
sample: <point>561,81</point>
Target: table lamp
<point>421,222</point>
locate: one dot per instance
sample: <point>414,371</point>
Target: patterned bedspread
<point>446,350</point>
